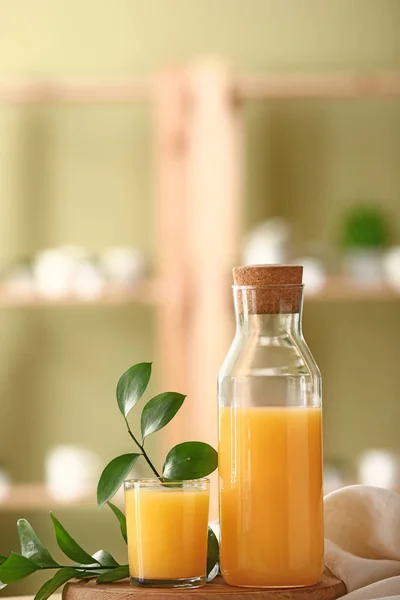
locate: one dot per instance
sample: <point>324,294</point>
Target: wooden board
<point>329,588</point>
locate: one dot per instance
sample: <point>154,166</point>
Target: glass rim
<point>271,286</point>
<point>155,481</point>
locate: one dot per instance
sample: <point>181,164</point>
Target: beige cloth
<point>362,541</point>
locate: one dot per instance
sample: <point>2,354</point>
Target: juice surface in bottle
<point>270,438</point>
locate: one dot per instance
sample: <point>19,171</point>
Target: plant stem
<point>81,568</point>
<point>144,453</point>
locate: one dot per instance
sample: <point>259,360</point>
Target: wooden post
<point>169,123</point>
<point>198,173</point>
<point>212,201</point>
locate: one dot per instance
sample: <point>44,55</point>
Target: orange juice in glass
<point>167,528</point>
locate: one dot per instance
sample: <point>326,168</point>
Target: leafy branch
<point>189,460</point>
<point>34,556</point>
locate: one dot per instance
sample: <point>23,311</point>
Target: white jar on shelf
<point>71,472</point>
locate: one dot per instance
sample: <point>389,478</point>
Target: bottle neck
<point>268,325</point>
<point>269,311</point>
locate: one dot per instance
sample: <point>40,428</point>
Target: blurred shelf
<point>77,91</point>
<point>317,85</point>
<point>34,496</point>
<point>380,83</point>
<point>148,292</point>
<point>340,289</point>
<point>152,292</point>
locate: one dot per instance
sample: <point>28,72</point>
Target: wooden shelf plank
<point>77,91</point>
<point>149,292</point>
<point>317,85</point>
<point>34,496</point>
<point>152,292</point>
<point>340,289</point>
<point>379,83</point>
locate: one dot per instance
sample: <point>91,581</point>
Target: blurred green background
<point>83,175</point>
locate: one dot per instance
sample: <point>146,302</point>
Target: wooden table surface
<point>330,588</point>
<point>55,597</point>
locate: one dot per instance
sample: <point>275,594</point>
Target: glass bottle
<point>270,440</point>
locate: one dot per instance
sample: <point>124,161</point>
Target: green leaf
<point>121,518</point>
<point>212,555</point>
<point>114,575</point>
<point>131,386</point>
<point>105,559</point>
<point>113,476</point>
<point>190,460</point>
<point>61,577</point>
<point>2,559</point>
<point>68,545</point>
<point>32,547</point>
<point>16,567</point>
<point>92,574</point>
<point>159,411</point>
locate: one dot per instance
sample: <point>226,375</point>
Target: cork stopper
<point>269,289</point>
<point>257,275</point>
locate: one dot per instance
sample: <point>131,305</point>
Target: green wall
<point>83,175</point>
